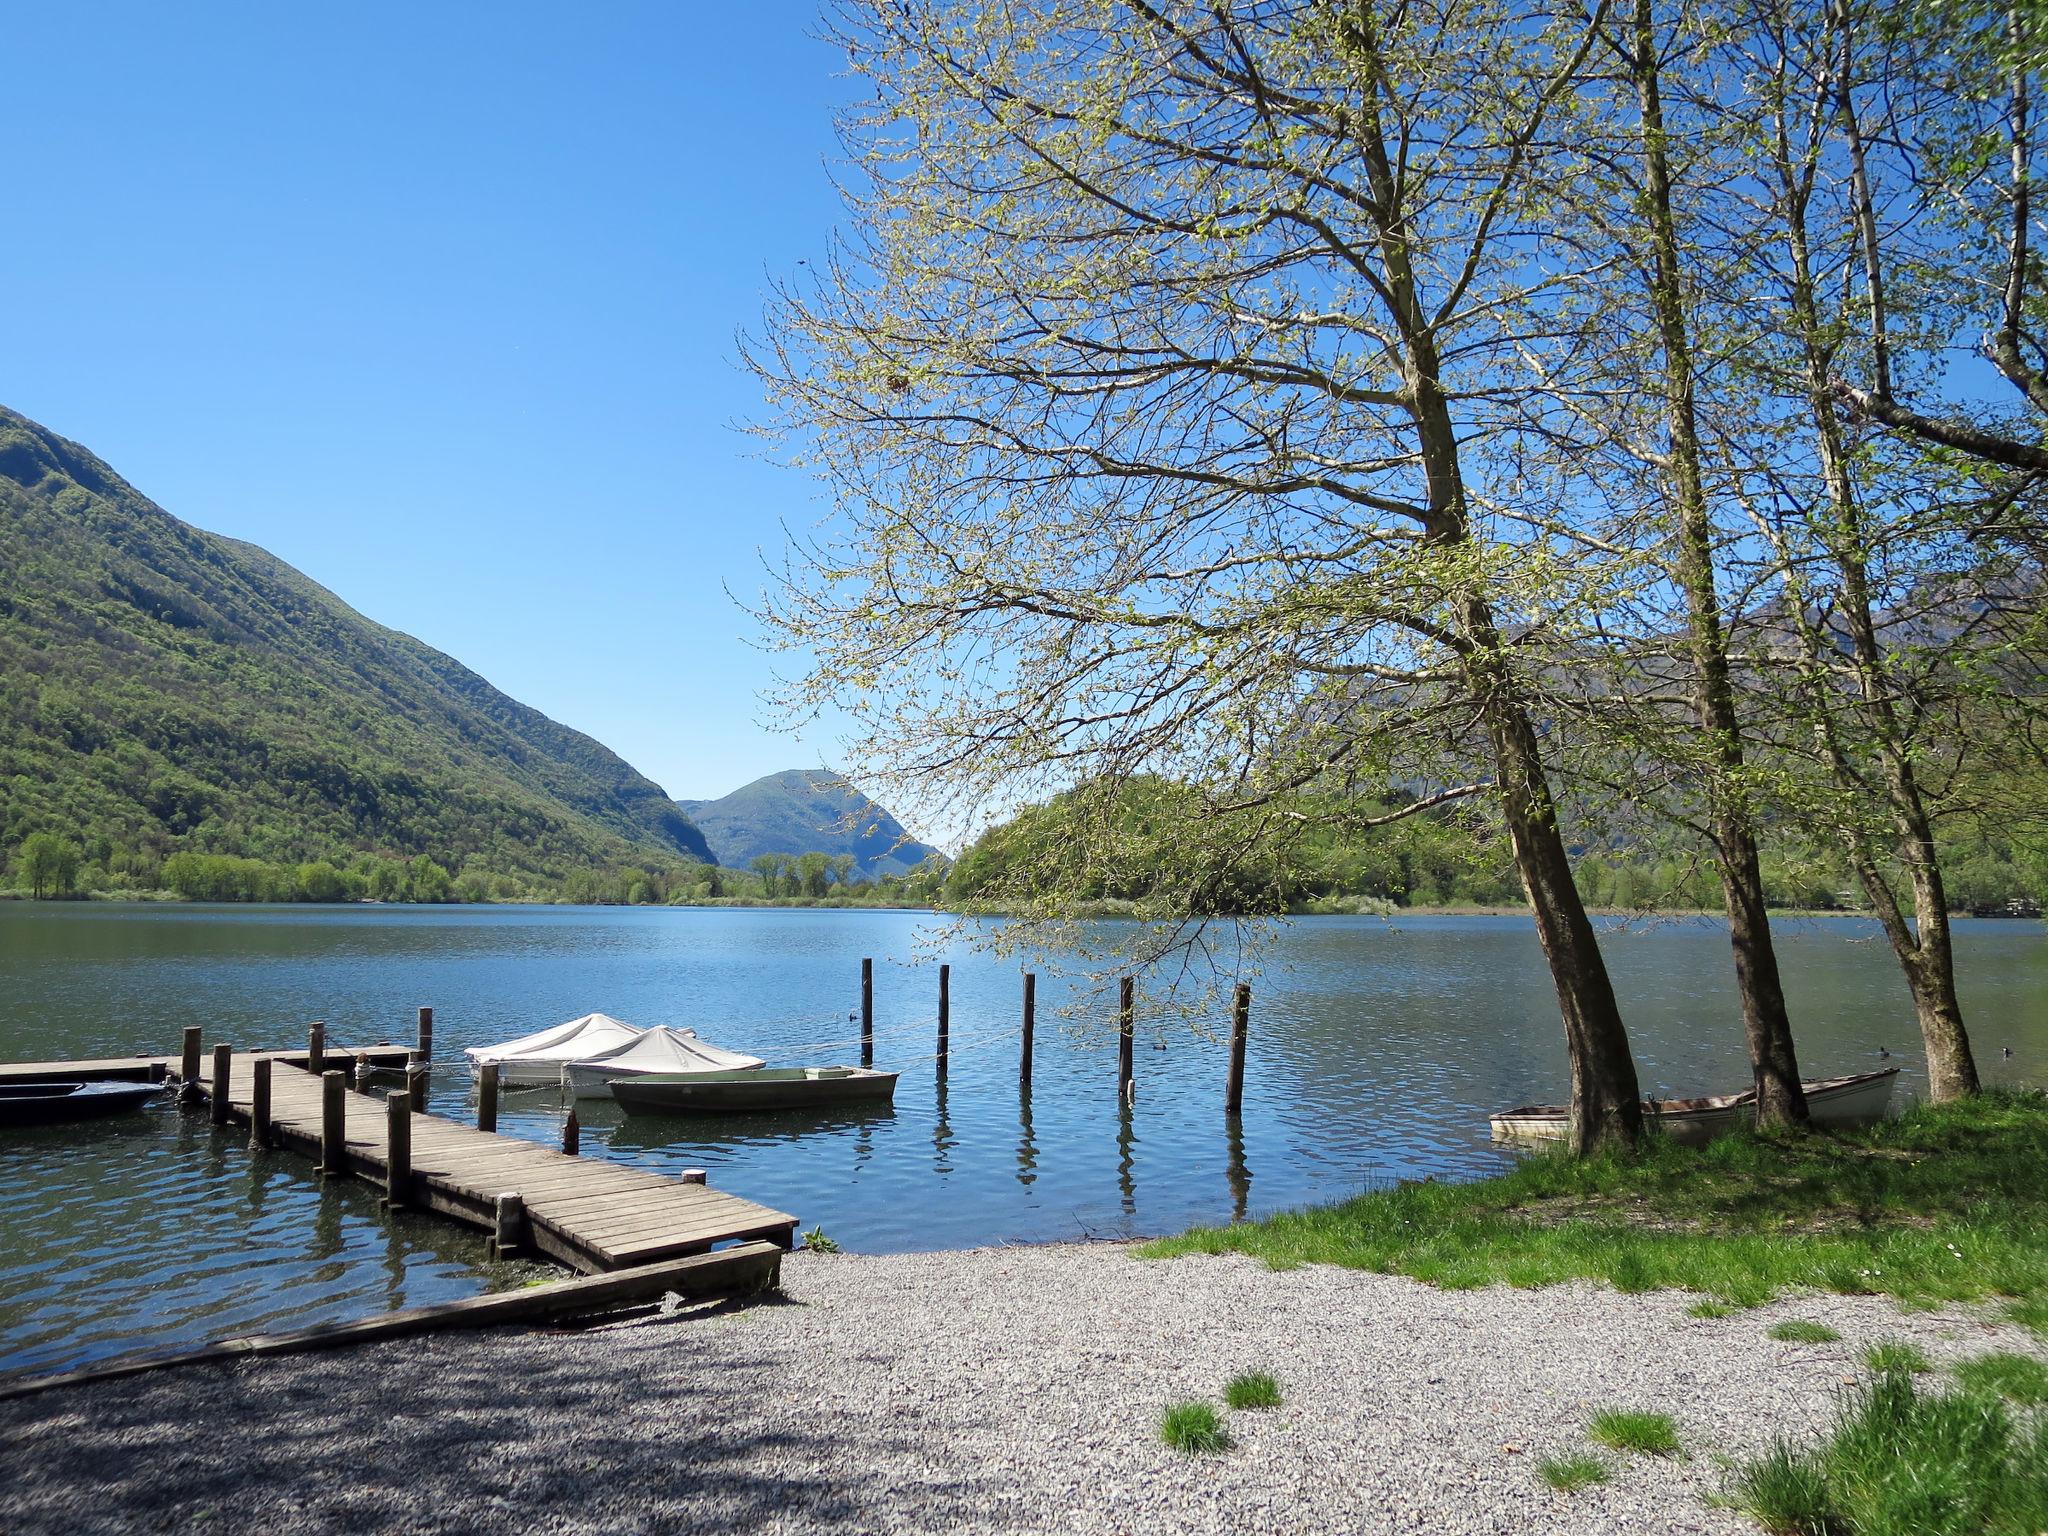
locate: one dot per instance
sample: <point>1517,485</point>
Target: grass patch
<point>1895,1355</point>
<point>1899,1463</point>
<point>1253,1389</point>
<point>1947,1203</point>
<point>2020,1378</point>
<point>1798,1330</point>
<point>1568,1474</point>
<point>1711,1309</point>
<point>1627,1429</point>
<point>1194,1428</point>
<point>815,1241</point>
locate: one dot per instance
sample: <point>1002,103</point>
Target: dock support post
<point>349,1079</point>
<point>572,1133</point>
<point>945,1014</point>
<point>1125,1020</point>
<point>259,1104</point>
<point>333,1124</point>
<point>693,1176</point>
<point>188,1064</point>
<point>1240,1027</point>
<point>398,1151</point>
<point>487,1097</point>
<point>223,1056</point>
<point>1030,1023</point>
<point>316,1049</point>
<point>426,1034</point>
<point>867,1013</point>
<point>416,1087</point>
<point>508,1224</point>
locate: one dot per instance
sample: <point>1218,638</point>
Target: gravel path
<point>1005,1390</point>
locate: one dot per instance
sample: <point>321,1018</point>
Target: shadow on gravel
<point>512,1434</point>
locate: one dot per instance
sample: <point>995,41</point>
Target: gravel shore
<point>1004,1390</point>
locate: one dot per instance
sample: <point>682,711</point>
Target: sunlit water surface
<point>1377,1050</point>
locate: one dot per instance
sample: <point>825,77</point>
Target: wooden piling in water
<point>427,1033</point>
<point>333,1124</point>
<point>487,1097</point>
<point>1030,1023</point>
<point>867,1013</point>
<point>1240,1028</point>
<point>316,1049</point>
<point>572,1134</point>
<point>188,1064</point>
<point>223,1057</point>
<point>1126,1009</point>
<point>398,1151</point>
<point>416,1086</point>
<point>945,1014</point>
<point>259,1104</point>
<point>508,1224</point>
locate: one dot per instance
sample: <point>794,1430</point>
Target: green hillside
<point>805,811</point>
<point>166,690</point>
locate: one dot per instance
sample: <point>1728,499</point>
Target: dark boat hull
<point>741,1093</point>
<point>53,1103</point>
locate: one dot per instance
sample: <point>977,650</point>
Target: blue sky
<point>437,303</point>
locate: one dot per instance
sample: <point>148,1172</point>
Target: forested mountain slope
<point>166,689</point>
<point>805,811</point>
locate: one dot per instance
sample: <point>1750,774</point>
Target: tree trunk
<point>1774,1064</point>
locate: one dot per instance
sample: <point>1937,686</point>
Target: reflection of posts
<point>1235,1173</point>
<point>1027,1143</point>
<point>942,1131</point>
<point>1126,1141</point>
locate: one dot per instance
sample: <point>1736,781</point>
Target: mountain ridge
<point>805,810</point>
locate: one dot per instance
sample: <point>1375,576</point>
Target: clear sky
<point>437,303</point>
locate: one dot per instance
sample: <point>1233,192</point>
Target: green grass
<point>1252,1389</point>
<point>1899,1463</point>
<point>1711,1309</point>
<point>1568,1474</point>
<point>1895,1355</point>
<point>1194,1428</point>
<point>815,1241</point>
<point>2019,1378</point>
<point>1628,1429</point>
<point>1798,1330</point>
<point>1946,1203</point>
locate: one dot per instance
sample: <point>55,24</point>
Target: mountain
<point>166,689</point>
<point>805,811</point>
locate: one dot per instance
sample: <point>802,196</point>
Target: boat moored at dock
<point>744,1092</point>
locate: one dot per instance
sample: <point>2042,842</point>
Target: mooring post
<point>333,1124</point>
<point>867,1013</point>
<point>188,1064</point>
<point>349,1079</point>
<point>572,1133</point>
<point>1030,1022</point>
<point>1240,1027</point>
<point>416,1087</point>
<point>1125,1022</point>
<point>508,1224</point>
<point>945,1014</point>
<point>398,1151</point>
<point>487,1097</point>
<point>316,1049</point>
<point>259,1104</point>
<point>223,1057</point>
<point>427,1033</point>
<point>693,1176</point>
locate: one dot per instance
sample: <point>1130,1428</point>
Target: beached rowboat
<point>739,1093</point>
<point>47,1102</point>
<point>1854,1100</point>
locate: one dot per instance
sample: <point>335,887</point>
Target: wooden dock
<point>592,1215</point>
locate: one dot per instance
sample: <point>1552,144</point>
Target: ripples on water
<point>1376,1052</point>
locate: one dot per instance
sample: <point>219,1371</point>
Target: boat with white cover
<point>536,1060</point>
<point>655,1052</point>
<point>1855,1100</point>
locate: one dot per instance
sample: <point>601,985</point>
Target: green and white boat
<point>740,1093</point>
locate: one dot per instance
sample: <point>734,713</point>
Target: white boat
<point>656,1052</point>
<point>536,1060</point>
<point>1855,1100</point>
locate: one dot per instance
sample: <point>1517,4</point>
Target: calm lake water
<point>1376,1051</point>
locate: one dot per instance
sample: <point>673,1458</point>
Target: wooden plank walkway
<point>157,1069</point>
<point>589,1214</point>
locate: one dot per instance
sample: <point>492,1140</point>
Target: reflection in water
<point>1235,1174</point>
<point>1126,1148</point>
<point>1027,1143</point>
<point>943,1139</point>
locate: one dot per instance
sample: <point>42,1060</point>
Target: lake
<point>1377,1049</point>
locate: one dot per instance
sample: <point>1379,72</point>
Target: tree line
<point>1617,414</point>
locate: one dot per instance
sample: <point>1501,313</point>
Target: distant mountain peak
<point>805,810</point>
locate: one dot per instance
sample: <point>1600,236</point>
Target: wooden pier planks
<point>592,1215</point>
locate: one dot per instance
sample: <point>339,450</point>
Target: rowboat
<point>737,1093</point>
<point>1854,1100</point>
<point>656,1052</point>
<point>44,1103</point>
<point>536,1060</point>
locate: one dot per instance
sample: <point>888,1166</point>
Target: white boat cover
<point>662,1049</point>
<point>592,1035</point>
